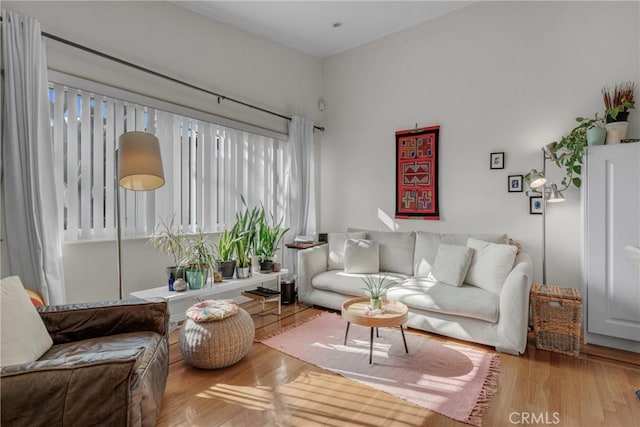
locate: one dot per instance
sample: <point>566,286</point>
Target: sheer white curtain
<point>30,188</point>
<point>300,181</point>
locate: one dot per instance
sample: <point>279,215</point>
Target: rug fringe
<point>288,328</point>
<point>489,388</point>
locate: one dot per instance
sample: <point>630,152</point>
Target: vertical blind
<point>208,168</point>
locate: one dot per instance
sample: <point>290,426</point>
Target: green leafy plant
<point>199,253</point>
<point>618,99</point>
<point>245,231</point>
<point>226,245</point>
<point>168,240</point>
<point>268,236</point>
<point>569,151</point>
<point>377,284</point>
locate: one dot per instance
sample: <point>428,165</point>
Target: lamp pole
<point>544,219</point>
<point>138,167</point>
<point>118,226</point>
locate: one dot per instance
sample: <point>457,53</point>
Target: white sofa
<point>495,316</point>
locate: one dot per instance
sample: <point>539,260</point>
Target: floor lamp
<point>138,168</point>
<point>549,193</point>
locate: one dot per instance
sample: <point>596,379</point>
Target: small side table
<point>289,293</point>
<point>393,314</point>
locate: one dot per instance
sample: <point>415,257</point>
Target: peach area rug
<point>455,381</point>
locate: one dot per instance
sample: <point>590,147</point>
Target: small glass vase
<point>375,303</point>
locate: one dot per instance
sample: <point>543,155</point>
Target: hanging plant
<point>570,150</point>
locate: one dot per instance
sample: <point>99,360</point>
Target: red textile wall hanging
<point>417,173</point>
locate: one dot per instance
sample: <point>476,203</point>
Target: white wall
<point>177,42</point>
<point>496,76</point>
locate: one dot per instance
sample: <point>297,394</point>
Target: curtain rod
<point>166,77</point>
<point>163,76</point>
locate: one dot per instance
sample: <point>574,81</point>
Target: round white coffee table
<point>393,314</point>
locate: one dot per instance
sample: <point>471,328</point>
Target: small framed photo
<point>535,205</point>
<point>514,183</point>
<point>497,160</point>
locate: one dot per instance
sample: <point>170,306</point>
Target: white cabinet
<point>612,223</point>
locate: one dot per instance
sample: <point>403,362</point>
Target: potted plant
<point>169,242</point>
<point>568,152</point>
<point>268,238</point>
<point>245,231</point>
<point>226,248</point>
<point>376,286</point>
<point>198,259</point>
<point>617,104</point>
<point>618,101</point>
<point>596,132</point>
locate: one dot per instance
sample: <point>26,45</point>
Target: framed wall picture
<point>514,183</point>
<point>497,160</point>
<point>535,205</point>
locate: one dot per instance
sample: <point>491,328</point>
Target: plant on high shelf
<point>569,150</point>
<point>226,247</point>
<point>268,237</point>
<point>377,285</point>
<point>169,241</point>
<point>245,231</point>
<point>618,101</point>
<point>199,257</point>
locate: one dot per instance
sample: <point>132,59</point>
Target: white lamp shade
<point>555,196</point>
<point>550,150</point>
<point>537,179</point>
<point>140,163</point>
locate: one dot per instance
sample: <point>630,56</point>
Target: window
<point>207,168</point>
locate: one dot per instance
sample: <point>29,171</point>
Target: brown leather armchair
<point>108,366</point>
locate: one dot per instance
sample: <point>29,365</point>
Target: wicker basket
<point>219,343</point>
<point>556,318</point>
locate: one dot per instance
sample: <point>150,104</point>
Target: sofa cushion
<point>428,295</point>
<point>427,243</point>
<point>336,247</point>
<point>361,256</point>
<point>103,348</point>
<point>346,283</point>
<point>23,336</point>
<point>396,250</point>
<point>451,264</point>
<point>490,265</point>
<point>211,310</point>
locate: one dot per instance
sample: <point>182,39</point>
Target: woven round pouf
<point>214,344</point>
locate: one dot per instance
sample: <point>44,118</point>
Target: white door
<point>612,211</point>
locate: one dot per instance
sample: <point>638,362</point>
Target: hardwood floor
<point>270,388</point>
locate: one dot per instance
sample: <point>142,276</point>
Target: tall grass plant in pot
<point>269,234</point>
<point>245,231</point>
<point>226,249</point>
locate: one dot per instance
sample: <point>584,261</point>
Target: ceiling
<point>322,28</point>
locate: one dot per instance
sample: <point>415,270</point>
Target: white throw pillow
<point>396,250</point>
<point>361,256</point>
<point>491,264</point>
<point>451,264</point>
<point>336,247</point>
<point>23,336</point>
<point>427,247</point>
